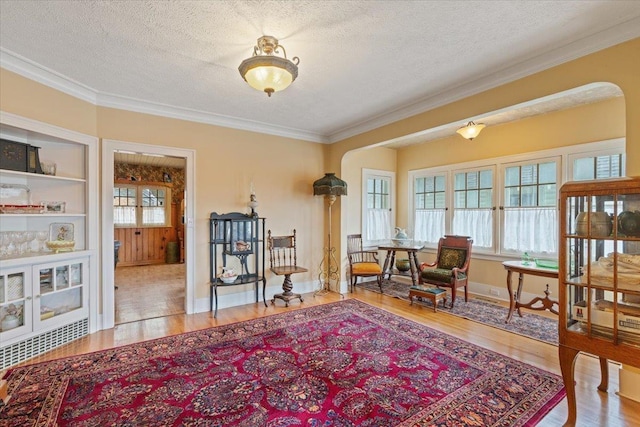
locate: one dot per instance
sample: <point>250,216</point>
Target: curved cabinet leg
<point>604,375</point>
<point>567,357</point>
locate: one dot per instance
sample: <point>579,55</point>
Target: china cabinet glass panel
<point>61,289</point>
<point>14,302</point>
<point>600,275</point>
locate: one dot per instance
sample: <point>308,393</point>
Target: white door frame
<point>108,273</point>
<point>384,174</point>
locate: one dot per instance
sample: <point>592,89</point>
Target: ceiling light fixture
<point>471,130</point>
<point>267,72</point>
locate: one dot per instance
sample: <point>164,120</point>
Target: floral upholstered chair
<point>362,263</point>
<point>451,269</point>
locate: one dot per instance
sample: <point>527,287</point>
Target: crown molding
<point>34,71</point>
<point>192,115</point>
<point>585,46</point>
<point>609,37</point>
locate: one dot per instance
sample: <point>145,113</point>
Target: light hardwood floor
<point>149,291</point>
<point>594,408</point>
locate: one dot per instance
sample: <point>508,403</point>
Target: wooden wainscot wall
<point>147,245</point>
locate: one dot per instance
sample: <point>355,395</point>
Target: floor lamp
<point>329,186</point>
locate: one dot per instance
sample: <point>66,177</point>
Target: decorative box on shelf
<point>18,156</point>
<point>602,315</point>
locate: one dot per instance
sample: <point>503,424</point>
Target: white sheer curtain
<point>428,225</point>
<point>531,230</point>
<point>124,215</point>
<point>477,223</point>
<point>378,225</point>
<point>153,215</point>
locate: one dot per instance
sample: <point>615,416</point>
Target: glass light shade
<point>471,130</point>
<point>268,73</point>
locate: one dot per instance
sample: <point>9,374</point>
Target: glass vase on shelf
<point>526,259</point>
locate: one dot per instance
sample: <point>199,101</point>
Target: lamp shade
<point>329,185</point>
<point>471,130</point>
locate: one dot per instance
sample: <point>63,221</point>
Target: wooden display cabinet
<point>599,276</point>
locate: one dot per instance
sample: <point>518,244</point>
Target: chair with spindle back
<point>284,262</point>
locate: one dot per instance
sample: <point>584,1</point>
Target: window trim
<point>565,156</point>
<point>495,201</point>
<point>377,173</point>
<point>140,186</point>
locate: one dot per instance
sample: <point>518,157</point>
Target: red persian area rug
<point>340,364</point>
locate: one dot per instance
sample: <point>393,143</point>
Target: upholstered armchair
<point>362,263</point>
<point>451,268</point>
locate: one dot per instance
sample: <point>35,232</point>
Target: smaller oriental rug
<point>531,325</point>
<point>340,364</point>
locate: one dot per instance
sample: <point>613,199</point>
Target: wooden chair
<point>362,263</point>
<point>284,262</point>
<point>450,270</point>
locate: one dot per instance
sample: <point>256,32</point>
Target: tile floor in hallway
<point>149,291</point>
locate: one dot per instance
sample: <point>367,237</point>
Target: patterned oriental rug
<point>531,325</point>
<point>339,364</point>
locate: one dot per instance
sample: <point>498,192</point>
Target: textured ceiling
<point>362,63</point>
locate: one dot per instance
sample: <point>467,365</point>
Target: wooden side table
<point>389,261</point>
<point>514,297</point>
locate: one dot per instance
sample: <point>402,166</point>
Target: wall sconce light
<point>267,72</point>
<point>331,187</point>
<point>471,130</point>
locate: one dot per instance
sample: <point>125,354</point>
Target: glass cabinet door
<point>601,244</point>
<point>15,303</point>
<point>62,289</point>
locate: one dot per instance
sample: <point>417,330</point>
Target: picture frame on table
<point>54,207</point>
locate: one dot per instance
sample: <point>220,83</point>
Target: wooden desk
<point>389,261</point>
<point>514,297</point>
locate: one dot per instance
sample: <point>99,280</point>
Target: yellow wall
<point>227,161</point>
<point>283,169</point>
<point>24,97</point>
<point>619,65</point>
<point>354,162</point>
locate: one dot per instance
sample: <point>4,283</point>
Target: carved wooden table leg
<point>512,299</point>
<point>415,267</point>
<point>604,375</point>
<point>567,357</point>
<point>387,266</point>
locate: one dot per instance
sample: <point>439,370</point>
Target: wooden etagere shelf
<point>236,241</point>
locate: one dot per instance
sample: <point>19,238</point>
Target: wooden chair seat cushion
<point>443,275</point>
<point>366,268</point>
<point>283,270</point>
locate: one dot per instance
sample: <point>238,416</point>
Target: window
<point>141,205</point>
<point>473,206</point>
<point>530,218</point>
<point>598,167</point>
<point>430,207</point>
<point>377,203</point>
<point>525,187</point>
